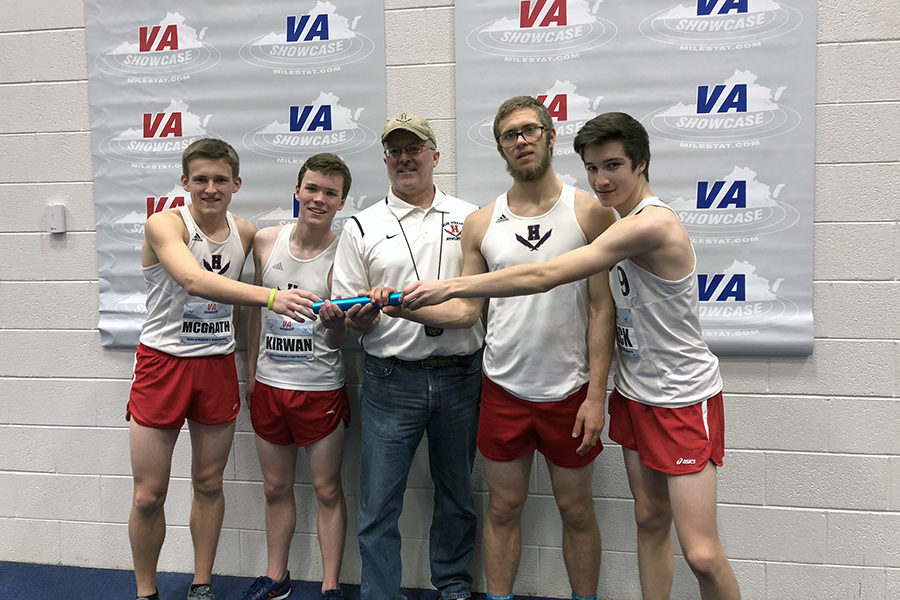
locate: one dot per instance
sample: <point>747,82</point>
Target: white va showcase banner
<point>726,90</point>
<point>278,80</point>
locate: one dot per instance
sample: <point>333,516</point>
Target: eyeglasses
<point>532,133</point>
<point>411,151</point>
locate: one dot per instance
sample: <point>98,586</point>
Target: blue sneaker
<point>334,594</point>
<point>266,588</point>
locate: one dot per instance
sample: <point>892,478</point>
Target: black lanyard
<point>409,247</point>
<point>429,330</point>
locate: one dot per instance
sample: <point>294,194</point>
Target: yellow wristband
<point>271,299</point>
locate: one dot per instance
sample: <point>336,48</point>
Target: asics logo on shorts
<point>686,461</point>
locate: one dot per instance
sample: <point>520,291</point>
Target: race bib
<point>288,340</point>
<point>626,338</point>
<point>206,323</point>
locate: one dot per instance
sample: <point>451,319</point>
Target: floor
<point>25,581</point>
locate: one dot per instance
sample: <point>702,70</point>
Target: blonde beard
<point>534,173</point>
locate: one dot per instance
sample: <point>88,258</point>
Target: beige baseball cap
<point>412,123</point>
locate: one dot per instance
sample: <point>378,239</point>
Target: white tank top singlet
<point>183,325</point>
<point>661,358</point>
<point>294,355</point>
<point>536,346</point>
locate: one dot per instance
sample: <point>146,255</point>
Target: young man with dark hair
<point>295,374</point>
<point>666,409</point>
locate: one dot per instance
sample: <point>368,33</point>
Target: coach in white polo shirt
<point>417,378</point>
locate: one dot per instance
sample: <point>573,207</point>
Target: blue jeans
<point>399,402</point>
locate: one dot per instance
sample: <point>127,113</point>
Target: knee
<point>577,514</point>
<point>149,500</point>
<point>277,489</point>
<point>652,517</point>
<point>207,488</point>
<point>505,510</point>
<point>704,559</point>
<point>328,492</point>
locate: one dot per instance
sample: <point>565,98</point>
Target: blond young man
<point>184,369</point>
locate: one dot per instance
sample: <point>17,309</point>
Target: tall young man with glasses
<point>546,356</point>
<point>417,379</point>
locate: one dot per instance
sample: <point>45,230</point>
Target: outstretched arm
<point>164,243</point>
<point>518,280</point>
<point>626,238</point>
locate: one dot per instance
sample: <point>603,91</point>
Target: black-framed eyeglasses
<point>532,133</point>
<point>412,150</point>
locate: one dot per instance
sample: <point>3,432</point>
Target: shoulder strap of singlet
<point>651,201</point>
<point>188,221</point>
<point>567,195</point>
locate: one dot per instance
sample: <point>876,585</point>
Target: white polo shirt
<point>385,245</point>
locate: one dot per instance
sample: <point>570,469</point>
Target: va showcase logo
<point>159,138</point>
<point>273,218</point>
<point>735,113</point>
<point>568,109</point>
<point>322,125</point>
<point>128,229</point>
<point>320,41</point>
<point>543,31</point>
<point>738,301</point>
<point>735,209</point>
<point>715,25</point>
<point>160,53</point>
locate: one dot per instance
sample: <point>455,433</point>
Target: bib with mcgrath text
<point>206,323</point>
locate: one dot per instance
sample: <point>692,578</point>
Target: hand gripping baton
<point>346,303</point>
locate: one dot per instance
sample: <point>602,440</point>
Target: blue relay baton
<point>345,303</point>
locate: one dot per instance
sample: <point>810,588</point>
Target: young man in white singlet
<point>295,378</point>
<point>546,357</point>
<point>666,409</point>
<point>184,368</point>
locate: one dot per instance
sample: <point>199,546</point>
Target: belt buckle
<point>438,362</point>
